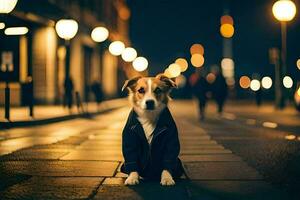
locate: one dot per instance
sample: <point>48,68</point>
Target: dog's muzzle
<point>150,104</point>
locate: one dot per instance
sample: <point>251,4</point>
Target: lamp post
<point>283,11</point>
<point>66,29</point>
<point>5,8</point>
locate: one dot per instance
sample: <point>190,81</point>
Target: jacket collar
<point>161,126</point>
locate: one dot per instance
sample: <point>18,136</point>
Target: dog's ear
<point>129,83</point>
<point>168,81</point>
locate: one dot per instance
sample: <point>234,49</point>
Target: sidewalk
<point>54,113</point>
<point>86,166</point>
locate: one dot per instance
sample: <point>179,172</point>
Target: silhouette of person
<point>258,97</point>
<point>29,99</point>
<point>97,90</point>
<point>219,90</point>
<point>68,98</point>
<point>200,87</point>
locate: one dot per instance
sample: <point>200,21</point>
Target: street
<point>233,156</point>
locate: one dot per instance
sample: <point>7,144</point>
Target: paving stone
<point>197,142</point>
<point>201,147</point>
<point>205,151</point>
<point>220,171</point>
<point>55,146</point>
<point>208,158</point>
<point>121,175</point>
<point>30,154</point>
<point>143,191</point>
<point>113,181</point>
<point>198,137</point>
<point>61,168</point>
<point>73,140</point>
<point>9,179</point>
<point>53,188</point>
<point>94,155</point>
<point>93,148</point>
<point>105,137</point>
<point>235,190</point>
<point>101,143</point>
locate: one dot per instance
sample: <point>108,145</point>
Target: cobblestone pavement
<point>80,159</point>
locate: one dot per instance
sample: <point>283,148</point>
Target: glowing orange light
<point>197,60</point>
<point>182,63</point>
<point>124,13</point>
<point>211,78</point>
<point>226,19</point>
<point>227,30</point>
<point>245,82</point>
<point>197,49</point>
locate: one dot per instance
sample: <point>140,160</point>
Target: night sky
<point>162,30</point>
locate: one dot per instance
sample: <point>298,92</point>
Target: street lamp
<point>284,11</point>
<point>6,6</point>
<point>116,48</point>
<point>99,34</point>
<point>129,54</point>
<point>140,64</point>
<point>266,82</point>
<point>66,29</point>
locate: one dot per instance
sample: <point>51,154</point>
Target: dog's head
<point>149,93</point>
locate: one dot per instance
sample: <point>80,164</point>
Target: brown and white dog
<point>150,142</point>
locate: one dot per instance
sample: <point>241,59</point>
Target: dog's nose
<point>150,104</point>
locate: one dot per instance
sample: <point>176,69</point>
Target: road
<point>233,156</point>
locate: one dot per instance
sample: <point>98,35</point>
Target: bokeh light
<point>6,6</point>
<point>210,78</point>
<point>16,31</point>
<point>197,49</point>
<point>245,82</point>
<point>255,85</point>
<point>180,81</point>
<point>197,60</point>
<point>116,48</point>
<point>284,10</point>
<point>66,28</point>
<point>227,64</point>
<point>182,63</point>
<point>99,34</point>
<point>287,82</point>
<point>2,25</point>
<point>266,82</point>
<point>226,19</point>
<point>140,64</point>
<point>227,30</point>
<point>298,63</point>
<point>129,54</point>
<point>167,73</point>
<point>230,82</point>
<point>174,70</point>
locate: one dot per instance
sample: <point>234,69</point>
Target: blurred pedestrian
<point>219,90</point>
<point>97,90</point>
<point>28,97</point>
<point>68,97</point>
<point>200,87</point>
<point>258,97</point>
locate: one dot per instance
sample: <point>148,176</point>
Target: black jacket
<point>150,159</point>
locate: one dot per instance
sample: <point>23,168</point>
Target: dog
<point>150,143</point>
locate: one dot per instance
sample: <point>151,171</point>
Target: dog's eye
<point>141,90</point>
<point>157,90</point>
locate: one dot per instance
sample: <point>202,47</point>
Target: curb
<point>35,122</point>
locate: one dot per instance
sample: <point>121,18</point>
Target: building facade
<point>41,55</point>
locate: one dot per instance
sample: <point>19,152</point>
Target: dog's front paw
<point>166,179</point>
<point>133,179</point>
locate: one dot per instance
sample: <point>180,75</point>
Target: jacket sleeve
<point>172,149</point>
<point>129,149</point>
